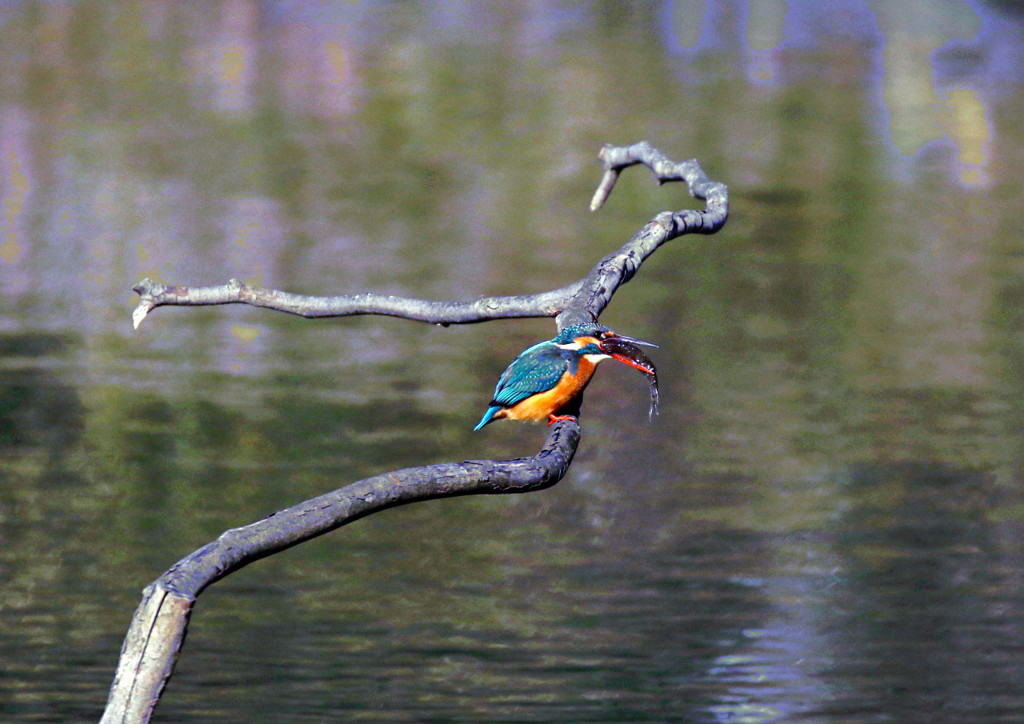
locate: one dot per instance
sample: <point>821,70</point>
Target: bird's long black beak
<point>634,340</point>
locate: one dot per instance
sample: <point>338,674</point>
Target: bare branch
<point>583,300</point>
<point>545,304</point>
<point>616,158</point>
<point>157,630</point>
<point>154,638</point>
<point>614,270</point>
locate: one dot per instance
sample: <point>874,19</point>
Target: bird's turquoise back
<point>538,369</point>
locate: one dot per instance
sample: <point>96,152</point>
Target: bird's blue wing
<point>538,369</point>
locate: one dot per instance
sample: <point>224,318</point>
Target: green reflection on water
<point>839,444</point>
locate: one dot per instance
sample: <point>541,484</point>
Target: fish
<point>627,350</point>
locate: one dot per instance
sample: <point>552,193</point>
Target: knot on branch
<point>149,288</point>
<point>630,265</point>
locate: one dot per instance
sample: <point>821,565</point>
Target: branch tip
<point>604,189</point>
<point>140,312</point>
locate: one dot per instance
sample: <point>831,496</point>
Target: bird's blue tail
<point>488,416</point>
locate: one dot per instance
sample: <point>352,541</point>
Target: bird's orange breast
<point>539,406</point>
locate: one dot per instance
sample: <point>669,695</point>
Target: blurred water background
<point>826,523</point>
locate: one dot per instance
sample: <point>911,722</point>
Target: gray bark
<point>155,635</point>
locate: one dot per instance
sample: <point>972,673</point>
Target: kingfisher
<point>549,377</point>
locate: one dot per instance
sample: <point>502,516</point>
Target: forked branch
<point>157,630</point>
<point>583,300</point>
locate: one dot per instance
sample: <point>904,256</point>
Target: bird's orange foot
<point>557,418</point>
